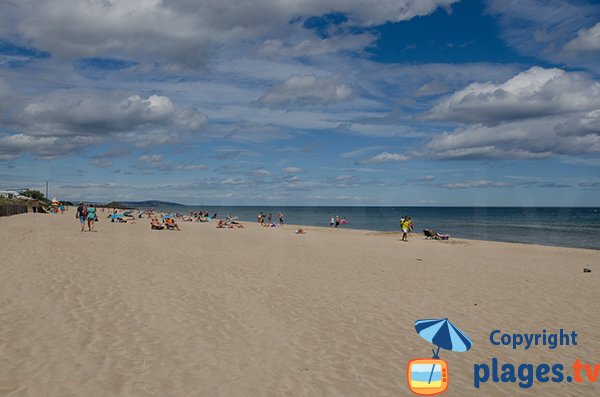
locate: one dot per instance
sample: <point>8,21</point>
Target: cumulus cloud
<point>307,90</point>
<point>536,114</point>
<point>586,40</point>
<point>181,31</point>
<point>11,146</point>
<point>384,157</point>
<point>65,114</point>
<point>528,139</point>
<point>536,92</point>
<point>63,122</point>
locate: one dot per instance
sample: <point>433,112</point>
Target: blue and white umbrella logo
<point>442,333</point>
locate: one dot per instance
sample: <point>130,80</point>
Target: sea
<point>562,226</point>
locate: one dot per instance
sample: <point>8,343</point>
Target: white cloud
<point>307,90</point>
<point>102,163</point>
<point>150,159</point>
<point>422,179</point>
<point>190,167</point>
<point>359,152</point>
<point>586,40</point>
<point>260,172</point>
<point>180,31</point>
<point>316,46</point>
<point>536,114</point>
<point>536,92</point>
<point>476,184</point>
<point>61,122</point>
<point>72,114</point>
<point>11,146</point>
<point>293,170</point>
<point>383,157</point>
<point>538,138</point>
<point>541,28</point>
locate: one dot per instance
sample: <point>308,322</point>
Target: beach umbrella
<point>442,333</point>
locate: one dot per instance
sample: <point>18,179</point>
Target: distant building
<point>13,195</point>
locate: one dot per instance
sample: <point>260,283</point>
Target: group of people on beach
<point>167,223</point>
<point>264,221</point>
<point>337,221</point>
<point>86,213</point>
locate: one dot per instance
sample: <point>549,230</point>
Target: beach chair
<point>431,234</point>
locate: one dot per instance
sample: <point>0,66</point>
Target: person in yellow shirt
<point>405,226</point>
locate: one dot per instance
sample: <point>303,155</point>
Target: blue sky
<point>319,102</point>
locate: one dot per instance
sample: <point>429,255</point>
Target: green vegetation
<point>35,194</point>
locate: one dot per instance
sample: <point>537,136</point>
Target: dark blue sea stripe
<point>442,337</point>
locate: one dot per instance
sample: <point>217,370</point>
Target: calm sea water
<point>568,227</point>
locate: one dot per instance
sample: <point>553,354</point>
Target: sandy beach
<point>127,311</point>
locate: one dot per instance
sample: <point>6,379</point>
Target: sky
<point>305,102</point>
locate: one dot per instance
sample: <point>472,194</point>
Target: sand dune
<point>127,311</point>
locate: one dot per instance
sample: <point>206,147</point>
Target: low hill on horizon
<point>151,203</point>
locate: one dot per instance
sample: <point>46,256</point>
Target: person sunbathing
<point>171,225</point>
<point>221,224</point>
<point>155,224</point>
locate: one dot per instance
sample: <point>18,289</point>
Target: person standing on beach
<point>331,222</point>
<point>270,217</point>
<point>337,221</point>
<point>91,217</point>
<point>81,214</point>
<point>405,226</point>
<point>281,218</point>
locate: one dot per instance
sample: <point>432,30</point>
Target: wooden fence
<point>12,209</point>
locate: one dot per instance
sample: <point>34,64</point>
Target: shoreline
<point>574,227</point>
<point>382,233</point>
